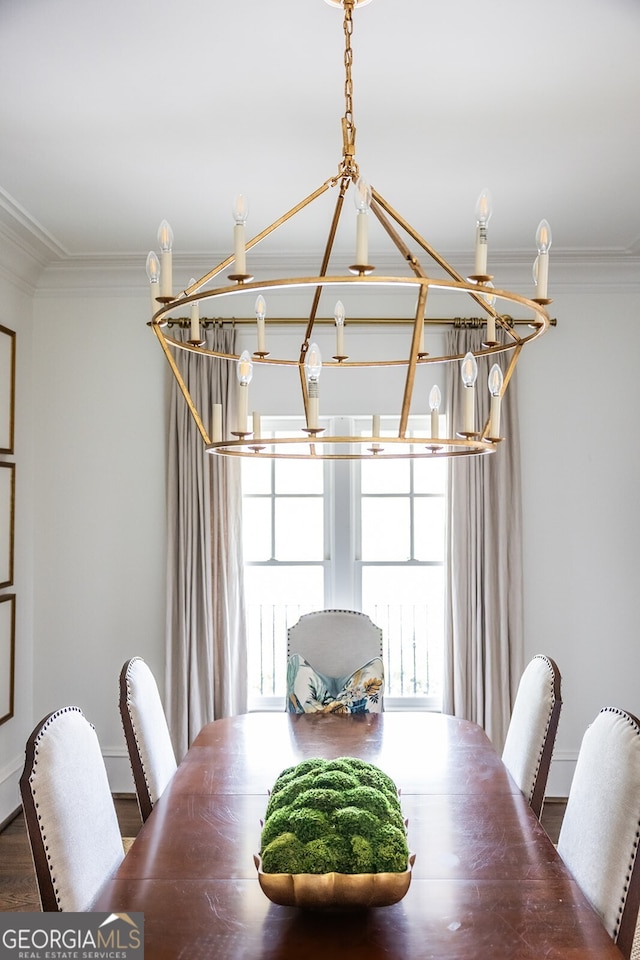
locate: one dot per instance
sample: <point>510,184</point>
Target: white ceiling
<point>116,114</point>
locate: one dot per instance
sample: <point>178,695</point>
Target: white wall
<point>16,314</point>
<point>99,506</point>
<point>579,391</point>
<point>90,447</point>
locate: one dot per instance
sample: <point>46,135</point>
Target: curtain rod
<point>352,321</point>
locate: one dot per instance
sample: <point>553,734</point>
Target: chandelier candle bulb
<point>543,242</point>
<point>245,372</point>
<point>496,380</point>
<point>469,413</point>
<point>153,272</point>
<point>165,239</point>
<point>313,368</point>
<point>363,202</point>
<point>240,213</point>
<point>483,215</point>
<point>375,431</point>
<point>216,423</point>
<point>339,318</point>
<point>314,405</point>
<point>195,317</point>
<point>491,320</point>
<point>261,310</point>
<point>434,404</point>
<point>469,372</point>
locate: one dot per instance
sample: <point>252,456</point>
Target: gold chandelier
<point>500,334</point>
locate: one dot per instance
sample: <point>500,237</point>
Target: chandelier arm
<point>508,373</point>
<point>412,260</point>
<point>318,292</point>
<point>324,266</point>
<point>406,226</point>
<point>413,357</point>
<point>182,385</point>
<point>438,259</point>
<point>189,291</point>
<point>305,391</point>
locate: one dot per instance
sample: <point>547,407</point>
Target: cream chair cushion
<point>532,729</point>
<point>71,819</point>
<point>599,834</point>
<point>151,752</point>
<point>335,642</point>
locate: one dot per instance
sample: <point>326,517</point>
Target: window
<point>346,534</point>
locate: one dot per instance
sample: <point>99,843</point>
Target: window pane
<point>299,528</point>
<point>429,476</point>
<point>407,604</point>
<point>385,476</point>
<point>429,528</point>
<point>385,528</point>
<point>299,476</point>
<point>275,598</point>
<point>256,528</point>
<point>256,476</point>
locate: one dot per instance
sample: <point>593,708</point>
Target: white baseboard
<point>10,787</point>
<point>118,770</point>
<point>561,773</point>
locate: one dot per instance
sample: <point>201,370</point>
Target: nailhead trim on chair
<point>634,851</point>
<point>50,719</point>
<point>357,613</point>
<point>133,727</point>
<point>541,656</point>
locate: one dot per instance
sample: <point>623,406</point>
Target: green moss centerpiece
<point>334,836</point>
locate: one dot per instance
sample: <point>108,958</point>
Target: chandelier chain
<point>348,166</point>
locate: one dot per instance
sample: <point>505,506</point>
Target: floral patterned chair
<point>335,663</point>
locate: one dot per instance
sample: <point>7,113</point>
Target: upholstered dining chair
<point>151,754</point>
<point>336,642</point>
<point>69,811</point>
<point>334,664</point>
<point>598,838</point>
<point>531,736</point>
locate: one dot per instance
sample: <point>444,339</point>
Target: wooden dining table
<point>487,883</point>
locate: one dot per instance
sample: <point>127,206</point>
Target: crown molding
<point>37,263</point>
<point>586,271</point>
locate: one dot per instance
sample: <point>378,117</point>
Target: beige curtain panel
<point>206,638</point>
<point>483,560</point>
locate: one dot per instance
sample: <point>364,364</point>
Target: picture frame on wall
<point>7,521</point>
<point>7,655</point>
<point>7,388</point>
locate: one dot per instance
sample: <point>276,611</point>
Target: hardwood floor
<point>18,889</point>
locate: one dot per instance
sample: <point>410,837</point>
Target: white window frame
<point>342,567</point>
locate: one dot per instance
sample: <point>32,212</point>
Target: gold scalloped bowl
<point>331,891</point>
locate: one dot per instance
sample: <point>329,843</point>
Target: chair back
<point>598,838</point>
<point>531,736</point>
<point>151,753</point>
<point>335,642</point>
<point>69,812</point>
